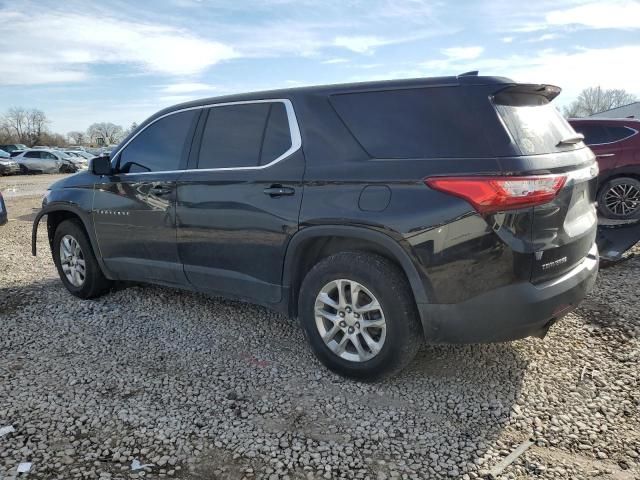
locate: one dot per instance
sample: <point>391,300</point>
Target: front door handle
<point>605,155</point>
<point>161,190</point>
<point>278,191</point>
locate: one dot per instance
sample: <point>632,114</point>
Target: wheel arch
<point>58,213</point>
<point>312,244</point>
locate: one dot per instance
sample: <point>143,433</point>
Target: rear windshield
<point>535,125</point>
<point>433,122</point>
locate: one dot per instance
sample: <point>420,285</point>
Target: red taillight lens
<point>493,194</point>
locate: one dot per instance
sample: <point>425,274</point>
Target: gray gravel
<point>204,388</point>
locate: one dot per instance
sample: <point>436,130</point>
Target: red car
<point>616,144</point>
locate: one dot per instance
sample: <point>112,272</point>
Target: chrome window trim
<point>635,132</point>
<point>294,131</point>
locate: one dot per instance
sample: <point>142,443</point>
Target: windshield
<point>535,125</point>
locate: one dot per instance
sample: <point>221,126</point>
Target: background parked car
<point>45,161</point>
<point>13,146</point>
<point>78,159</point>
<point>616,144</point>
<point>7,165</point>
<point>3,211</point>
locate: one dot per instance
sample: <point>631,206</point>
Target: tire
<point>377,277</point>
<point>24,170</point>
<point>619,198</point>
<point>93,283</point>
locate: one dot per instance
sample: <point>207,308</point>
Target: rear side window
<point>244,135</point>
<point>277,136</point>
<point>535,125</point>
<point>593,134</point>
<point>32,155</point>
<point>412,123</point>
<point>160,146</point>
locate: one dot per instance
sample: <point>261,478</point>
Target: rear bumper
<point>512,312</point>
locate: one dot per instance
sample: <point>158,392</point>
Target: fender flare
<point>81,214</point>
<point>419,285</point>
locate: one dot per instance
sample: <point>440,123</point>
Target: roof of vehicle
<point>469,78</point>
<point>607,121</point>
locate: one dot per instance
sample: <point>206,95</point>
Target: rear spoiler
<point>516,94</point>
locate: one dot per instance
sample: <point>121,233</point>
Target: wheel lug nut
<point>348,309</point>
<point>343,324</point>
<point>351,330</point>
<point>356,315</point>
<point>341,314</point>
<point>358,325</point>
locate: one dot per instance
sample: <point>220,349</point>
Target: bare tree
<point>36,125</point>
<point>16,121</point>
<point>109,132</point>
<point>596,99</point>
<point>77,138</point>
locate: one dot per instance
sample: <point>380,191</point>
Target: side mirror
<point>100,165</point>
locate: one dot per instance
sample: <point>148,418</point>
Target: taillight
<point>493,194</point>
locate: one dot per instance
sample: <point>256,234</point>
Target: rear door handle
<point>161,190</point>
<point>278,191</point>
<point>605,155</point>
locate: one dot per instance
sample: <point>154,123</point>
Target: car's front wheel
<point>358,313</point>
<point>76,262</point>
<point>619,198</point>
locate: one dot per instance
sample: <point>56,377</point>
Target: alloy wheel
<point>623,199</point>
<point>72,261</point>
<point>350,320</point>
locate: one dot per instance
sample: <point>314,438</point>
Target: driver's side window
<point>159,147</point>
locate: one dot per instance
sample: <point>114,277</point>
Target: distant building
<point>626,111</point>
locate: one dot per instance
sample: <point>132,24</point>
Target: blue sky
<point>120,61</point>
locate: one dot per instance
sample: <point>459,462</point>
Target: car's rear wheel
<point>76,262</point>
<point>24,170</point>
<point>358,313</point>
<point>619,198</point>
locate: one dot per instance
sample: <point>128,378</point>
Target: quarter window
<point>159,147</point>
<point>619,133</point>
<point>244,135</point>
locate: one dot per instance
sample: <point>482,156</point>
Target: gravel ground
<point>201,388</point>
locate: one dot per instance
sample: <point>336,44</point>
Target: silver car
<point>45,161</point>
<point>80,159</point>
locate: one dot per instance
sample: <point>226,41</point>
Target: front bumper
<point>10,169</point>
<point>512,312</point>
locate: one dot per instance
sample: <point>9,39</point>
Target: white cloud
<point>463,53</point>
<point>618,14</point>
<point>545,37</point>
<point>187,87</point>
<point>332,61</point>
<point>60,46</point>
<point>360,43</point>
<point>571,70</point>
<point>507,39</point>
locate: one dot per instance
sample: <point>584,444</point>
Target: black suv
<point>453,209</point>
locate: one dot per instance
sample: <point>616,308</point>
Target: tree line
<point>31,127</point>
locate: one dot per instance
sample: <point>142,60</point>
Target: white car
<point>45,161</point>
<point>79,158</point>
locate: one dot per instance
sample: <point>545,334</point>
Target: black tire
<point>605,206</point>
<point>24,170</point>
<point>390,287</point>
<point>95,283</point>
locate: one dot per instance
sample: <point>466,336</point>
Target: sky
<point>119,61</point>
